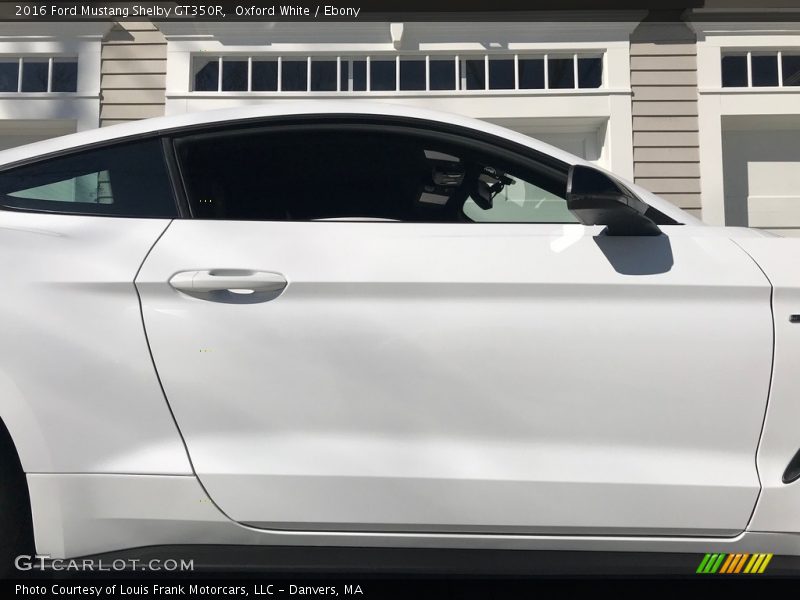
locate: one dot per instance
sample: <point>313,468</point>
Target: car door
<point>333,366</point>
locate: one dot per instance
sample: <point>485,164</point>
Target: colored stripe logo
<point>751,564</point>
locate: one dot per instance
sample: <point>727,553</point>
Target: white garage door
<point>761,167</point>
<point>580,136</point>
<point>19,132</point>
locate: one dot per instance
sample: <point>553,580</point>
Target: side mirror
<point>596,199</point>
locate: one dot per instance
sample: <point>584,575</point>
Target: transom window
<point>38,74</point>
<point>396,73</point>
<point>761,69</point>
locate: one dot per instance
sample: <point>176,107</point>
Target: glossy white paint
<point>508,381</point>
<point>484,377</point>
<point>79,514</point>
<point>77,387</point>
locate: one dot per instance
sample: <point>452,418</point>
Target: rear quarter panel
<point>78,391</point>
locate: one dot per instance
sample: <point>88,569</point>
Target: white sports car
<point>359,325</point>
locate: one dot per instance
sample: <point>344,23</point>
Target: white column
<point>709,115</point>
<point>179,78</point>
<point>618,151</point>
<point>619,136</point>
<point>89,66</point>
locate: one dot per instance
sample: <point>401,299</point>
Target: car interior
<point>354,175</point>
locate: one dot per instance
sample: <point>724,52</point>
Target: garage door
<point>761,168</point>
<point>583,137</point>
<point>19,132</point>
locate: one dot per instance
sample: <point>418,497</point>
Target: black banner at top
<point>405,10</point>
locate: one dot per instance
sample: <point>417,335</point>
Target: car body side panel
<point>78,391</point>
<point>778,506</point>
<point>468,377</point>
<point>80,514</point>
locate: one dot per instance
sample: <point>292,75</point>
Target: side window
<point>127,180</point>
<point>357,173</point>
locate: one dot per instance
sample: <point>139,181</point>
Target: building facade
<point>704,112</point>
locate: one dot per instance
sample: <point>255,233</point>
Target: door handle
<point>233,280</point>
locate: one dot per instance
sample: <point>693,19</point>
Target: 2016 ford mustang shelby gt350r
<point>343,324</point>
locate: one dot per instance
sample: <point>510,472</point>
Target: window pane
<point>344,75</point>
<point>65,75</point>
<point>734,71</point>
<point>94,187</point>
<point>234,75</point>
<point>9,75</point>
<point>34,75</point>
<point>359,75</point>
<point>531,73</point>
<point>382,75</point>
<point>590,72</point>
<point>501,74</point>
<point>765,70</point>
<point>412,74</point>
<point>206,78</point>
<point>475,74</point>
<point>294,75</point>
<point>791,69</point>
<point>265,75</point>
<point>561,73</point>
<point>123,180</point>
<point>521,202</point>
<point>323,75</point>
<point>443,74</point>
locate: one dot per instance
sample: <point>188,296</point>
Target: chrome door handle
<point>233,280</point>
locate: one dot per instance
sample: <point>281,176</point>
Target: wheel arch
<point>15,506</point>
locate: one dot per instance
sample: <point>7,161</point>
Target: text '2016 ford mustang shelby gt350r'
<point>344,324</point>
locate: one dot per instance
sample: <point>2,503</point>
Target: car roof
<point>288,108</point>
<point>276,108</point>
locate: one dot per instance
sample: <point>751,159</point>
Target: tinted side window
<point>128,179</point>
<point>360,174</point>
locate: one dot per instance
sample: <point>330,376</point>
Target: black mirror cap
<point>596,199</point>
